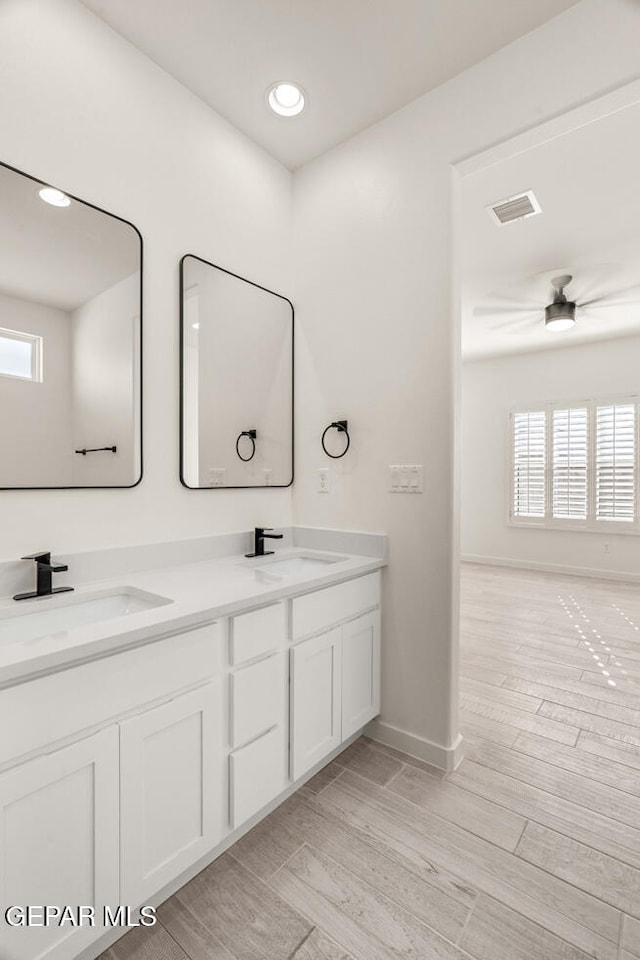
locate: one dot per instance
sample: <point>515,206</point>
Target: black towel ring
<point>252,434</point>
<point>341,427</point>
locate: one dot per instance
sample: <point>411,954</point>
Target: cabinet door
<point>59,843</point>
<point>315,700</point>
<point>170,791</point>
<point>360,672</point>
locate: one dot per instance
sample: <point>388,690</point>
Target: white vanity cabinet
<point>171,791</point>
<point>122,775</point>
<point>360,690</point>
<point>258,727</point>
<point>335,676</point>
<point>315,700</point>
<point>59,839</point>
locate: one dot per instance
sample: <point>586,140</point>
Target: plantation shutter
<point>616,462</point>
<point>529,462</point>
<point>569,463</point>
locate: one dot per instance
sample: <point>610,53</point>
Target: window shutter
<point>529,462</point>
<point>569,463</point>
<point>616,462</point>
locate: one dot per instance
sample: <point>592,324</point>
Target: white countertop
<point>198,593</point>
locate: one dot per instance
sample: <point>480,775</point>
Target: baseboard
<point>444,758</point>
<point>592,572</point>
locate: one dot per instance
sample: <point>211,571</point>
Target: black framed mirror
<point>236,380</point>
<point>70,340</point>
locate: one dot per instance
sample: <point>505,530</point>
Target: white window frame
<point>36,354</point>
<point>591,524</point>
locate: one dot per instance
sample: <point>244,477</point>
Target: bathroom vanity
<point>134,749</point>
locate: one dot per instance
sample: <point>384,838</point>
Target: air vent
<point>520,207</point>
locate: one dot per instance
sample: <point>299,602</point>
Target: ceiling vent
<point>519,207</point>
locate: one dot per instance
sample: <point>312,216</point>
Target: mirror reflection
<point>70,321</point>
<point>237,380</point>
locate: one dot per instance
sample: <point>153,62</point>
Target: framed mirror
<point>236,380</point>
<point>70,340</point>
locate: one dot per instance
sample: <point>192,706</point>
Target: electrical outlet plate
<point>406,478</point>
<point>216,476</point>
<point>323,480</point>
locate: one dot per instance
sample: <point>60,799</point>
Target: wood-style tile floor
<point>529,851</point>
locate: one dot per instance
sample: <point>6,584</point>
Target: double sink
<point>56,614</point>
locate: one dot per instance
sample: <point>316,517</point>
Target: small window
<point>20,355</point>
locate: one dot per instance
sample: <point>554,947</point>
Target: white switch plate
<point>323,480</point>
<point>406,478</point>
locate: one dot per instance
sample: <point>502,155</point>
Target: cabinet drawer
<point>257,699</point>
<point>256,633</point>
<point>257,774</point>
<point>39,712</point>
<point>316,611</point>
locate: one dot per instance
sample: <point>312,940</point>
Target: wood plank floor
<point>529,851</point>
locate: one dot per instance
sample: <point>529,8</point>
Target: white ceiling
<point>60,256</point>
<point>586,183</point>
<point>358,60</point>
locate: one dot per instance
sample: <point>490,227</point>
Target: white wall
<point>376,343</point>
<point>35,418</point>
<point>492,388</point>
<point>83,109</point>
<point>105,345</point>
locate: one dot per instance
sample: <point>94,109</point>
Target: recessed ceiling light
<point>286,99</point>
<point>196,325</point>
<point>55,197</point>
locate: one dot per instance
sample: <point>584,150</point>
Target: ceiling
<point>357,60</point>
<point>586,183</point>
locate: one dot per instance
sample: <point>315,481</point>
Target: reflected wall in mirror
<point>237,380</point>
<point>70,340</point>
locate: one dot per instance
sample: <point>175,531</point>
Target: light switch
<point>406,478</point>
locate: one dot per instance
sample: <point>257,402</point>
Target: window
<point>569,464</point>
<point>20,355</point>
<point>616,462</point>
<point>575,465</point>
<point>529,468</point>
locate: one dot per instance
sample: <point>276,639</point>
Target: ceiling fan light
<point>560,316</point>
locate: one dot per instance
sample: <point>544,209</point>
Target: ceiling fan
<point>562,311</point>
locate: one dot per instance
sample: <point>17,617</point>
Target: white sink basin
<point>294,566</point>
<point>57,614</point>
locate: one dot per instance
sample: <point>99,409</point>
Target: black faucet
<point>44,569</point>
<point>260,536</point>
